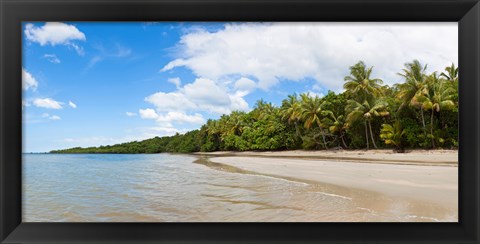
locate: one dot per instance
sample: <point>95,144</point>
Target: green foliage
<point>421,112</point>
<point>393,135</point>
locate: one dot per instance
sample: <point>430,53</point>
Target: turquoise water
<point>165,187</point>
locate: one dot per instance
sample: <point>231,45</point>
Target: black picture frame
<point>13,12</point>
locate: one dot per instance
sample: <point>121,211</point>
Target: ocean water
<point>182,188</point>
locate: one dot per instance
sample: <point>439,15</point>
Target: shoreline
<point>382,156</point>
<point>420,180</point>
<point>427,157</point>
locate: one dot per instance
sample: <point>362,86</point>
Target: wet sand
<point>419,177</point>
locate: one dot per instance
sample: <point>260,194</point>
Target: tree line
<point>421,112</point>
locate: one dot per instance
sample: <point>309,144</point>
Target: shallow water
<point>165,187</point>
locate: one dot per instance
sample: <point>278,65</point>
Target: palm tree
<point>311,110</point>
<point>291,111</point>
<point>359,85</point>
<point>436,96</point>
<point>222,126</point>
<point>336,125</point>
<point>414,74</point>
<point>262,109</point>
<point>213,133</point>
<point>452,73</point>
<point>235,123</point>
<point>393,134</point>
<point>366,111</point>
<point>213,128</point>
<point>452,76</point>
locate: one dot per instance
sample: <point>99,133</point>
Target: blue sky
<point>91,84</point>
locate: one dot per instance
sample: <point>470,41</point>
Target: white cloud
<point>237,102</point>
<point>170,101</point>
<point>117,51</point>
<point>176,81</point>
<point>130,114</point>
<point>52,58</point>
<point>171,117</point>
<point>205,91</point>
<point>183,107</point>
<point>47,103</point>
<point>50,117</point>
<point>181,118</point>
<point>71,104</point>
<point>93,61</point>
<point>25,103</point>
<point>245,84</point>
<point>78,48</point>
<point>268,52</point>
<point>173,64</point>
<point>316,87</point>
<point>28,81</point>
<point>315,94</point>
<point>120,52</point>
<point>55,33</point>
<point>148,113</point>
<point>201,95</point>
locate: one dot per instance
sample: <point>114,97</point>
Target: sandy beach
<point>424,177</point>
<point>422,157</point>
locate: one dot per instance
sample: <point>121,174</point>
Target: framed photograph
<point>239,121</point>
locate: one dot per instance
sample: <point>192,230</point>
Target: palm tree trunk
<point>423,118</point>
<point>323,134</point>
<point>423,122</point>
<point>323,138</point>
<point>366,133</point>
<point>371,134</point>
<point>297,130</point>
<point>343,141</point>
<point>431,128</point>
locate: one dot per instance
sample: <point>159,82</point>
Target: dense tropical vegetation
<point>421,112</point>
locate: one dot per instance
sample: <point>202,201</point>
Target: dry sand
<point>427,176</point>
<point>424,157</point>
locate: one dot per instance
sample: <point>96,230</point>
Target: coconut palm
<point>452,76</point>
<point>336,125</point>
<point>366,111</point>
<point>223,127</point>
<point>393,134</point>
<point>311,112</point>
<point>451,73</point>
<point>210,127</point>
<point>414,74</point>
<point>436,96</point>
<point>291,111</point>
<point>290,108</point>
<point>359,85</point>
<point>235,123</point>
<point>262,109</point>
